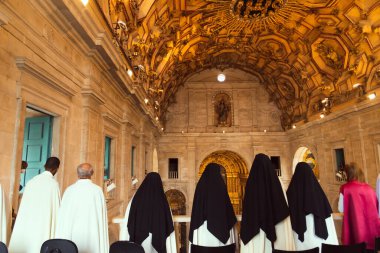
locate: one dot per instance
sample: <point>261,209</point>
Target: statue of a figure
<point>222,111</point>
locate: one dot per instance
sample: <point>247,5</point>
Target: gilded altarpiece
<point>234,172</point>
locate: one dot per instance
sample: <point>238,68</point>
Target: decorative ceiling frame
<point>309,52</point>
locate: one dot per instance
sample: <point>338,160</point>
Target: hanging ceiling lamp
<point>221,77</point>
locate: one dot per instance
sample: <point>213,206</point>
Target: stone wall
<point>191,136</point>
<point>58,58</point>
<point>356,130</point>
<point>250,107</point>
<point>191,133</point>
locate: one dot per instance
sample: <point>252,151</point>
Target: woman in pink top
<point>359,203</point>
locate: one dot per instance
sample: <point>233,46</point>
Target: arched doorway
<point>177,202</point>
<point>304,154</point>
<point>234,172</point>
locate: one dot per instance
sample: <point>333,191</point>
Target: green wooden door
<point>36,149</point>
<point>107,157</point>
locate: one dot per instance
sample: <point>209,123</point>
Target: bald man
<point>82,217</point>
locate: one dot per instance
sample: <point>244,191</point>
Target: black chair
<point>377,244</point>
<point>354,248</point>
<point>223,249</point>
<point>126,246</point>
<point>59,246</point>
<point>3,248</point>
<point>313,250</point>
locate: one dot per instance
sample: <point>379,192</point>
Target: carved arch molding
<point>302,51</point>
<point>234,171</point>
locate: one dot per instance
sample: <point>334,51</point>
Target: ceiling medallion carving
<point>255,9</point>
<point>252,16</point>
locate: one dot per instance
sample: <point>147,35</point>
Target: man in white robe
<point>36,218</point>
<point>3,218</point>
<point>82,217</point>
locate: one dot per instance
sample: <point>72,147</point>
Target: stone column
<point>191,166</point>
<point>91,141</point>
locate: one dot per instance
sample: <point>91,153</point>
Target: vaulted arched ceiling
<point>307,54</point>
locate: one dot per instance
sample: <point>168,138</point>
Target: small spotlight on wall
<point>146,100</point>
<point>84,2</point>
<point>356,85</point>
<point>371,96</point>
<point>265,130</point>
<point>221,77</point>
<point>162,129</point>
<point>294,126</point>
<point>156,118</point>
<point>322,115</point>
<point>130,72</point>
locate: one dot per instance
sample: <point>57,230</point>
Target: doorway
<point>36,145</point>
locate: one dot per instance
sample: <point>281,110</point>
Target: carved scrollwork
<point>329,55</point>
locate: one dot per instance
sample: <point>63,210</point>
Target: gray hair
<point>82,172</point>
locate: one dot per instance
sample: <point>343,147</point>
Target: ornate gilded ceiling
<point>307,54</point>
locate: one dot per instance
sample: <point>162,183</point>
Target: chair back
<point>126,246</point>
<point>3,248</point>
<point>59,246</point>
<point>354,248</point>
<point>203,249</point>
<point>313,250</point>
<point>377,244</point>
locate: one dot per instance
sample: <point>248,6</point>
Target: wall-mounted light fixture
<point>371,96</point>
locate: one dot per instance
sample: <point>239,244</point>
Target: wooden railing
<point>173,174</point>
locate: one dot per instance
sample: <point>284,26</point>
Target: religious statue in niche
<point>222,108</point>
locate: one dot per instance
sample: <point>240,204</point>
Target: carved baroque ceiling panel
<point>307,54</point>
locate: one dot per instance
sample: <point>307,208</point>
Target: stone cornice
<point>95,96</point>
<point>3,19</point>
<point>28,66</point>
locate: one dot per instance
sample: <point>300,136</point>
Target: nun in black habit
<point>149,218</point>
<point>265,219</point>
<point>212,217</point>
<point>310,211</point>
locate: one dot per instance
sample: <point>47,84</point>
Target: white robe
<point>284,233</point>
<point>311,240</point>
<point>171,246</point>
<point>3,218</point>
<point>82,217</point>
<point>36,218</point>
<point>203,237</point>
<point>261,244</point>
